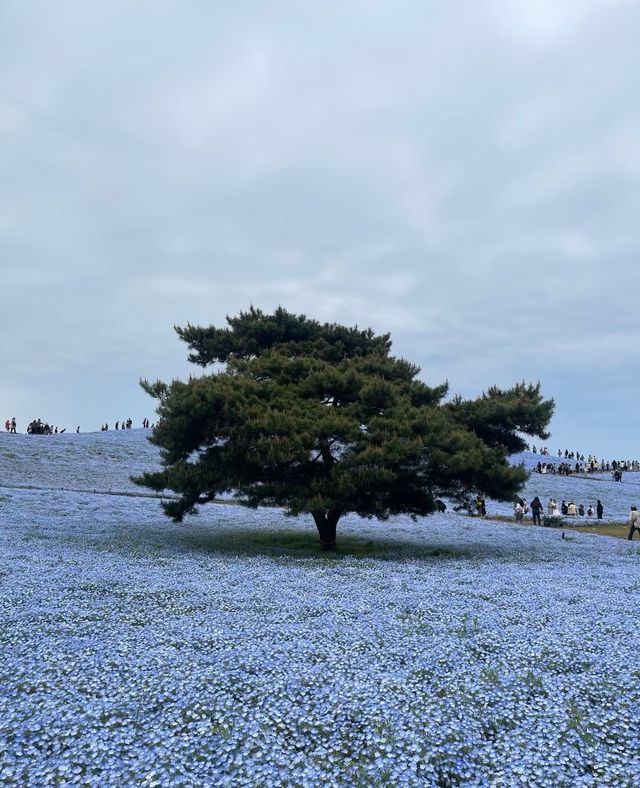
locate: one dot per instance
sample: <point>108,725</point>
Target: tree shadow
<point>304,544</point>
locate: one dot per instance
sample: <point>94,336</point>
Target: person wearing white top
<point>634,521</point>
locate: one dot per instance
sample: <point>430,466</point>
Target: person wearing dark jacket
<point>536,510</point>
<point>599,510</point>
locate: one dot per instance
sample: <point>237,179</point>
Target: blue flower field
<point>226,651</point>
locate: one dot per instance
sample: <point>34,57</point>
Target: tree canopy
<point>322,419</point>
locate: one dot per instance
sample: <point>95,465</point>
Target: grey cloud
<point>465,177</point>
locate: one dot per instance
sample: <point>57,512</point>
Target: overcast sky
<point>463,175</point>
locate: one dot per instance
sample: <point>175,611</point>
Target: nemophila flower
<point>131,648</point>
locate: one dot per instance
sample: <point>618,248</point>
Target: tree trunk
<point>326,525</point>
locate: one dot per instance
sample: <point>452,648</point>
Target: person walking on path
<point>599,509</point>
<point>634,522</point>
<point>536,510</point>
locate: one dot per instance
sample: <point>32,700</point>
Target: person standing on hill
<point>634,522</point>
<point>599,509</point>
<point>536,510</point>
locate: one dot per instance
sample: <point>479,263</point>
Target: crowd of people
<point>589,465</point>
<point>554,513</point>
<point>562,469</point>
<point>565,509</point>
<point>39,427</point>
<point>565,469</point>
<point>126,425</point>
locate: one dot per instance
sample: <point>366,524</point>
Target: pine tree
<point>322,419</point>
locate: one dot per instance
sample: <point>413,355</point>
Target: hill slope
<point>89,461</point>
<point>228,651</point>
<point>105,461</point>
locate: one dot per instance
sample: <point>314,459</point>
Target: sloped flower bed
<point>137,652</point>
